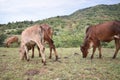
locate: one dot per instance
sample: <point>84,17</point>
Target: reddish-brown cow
<point>48,32</point>
<point>32,36</point>
<point>105,32</point>
<point>11,40</point>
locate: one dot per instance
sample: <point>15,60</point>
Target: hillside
<point>68,30</point>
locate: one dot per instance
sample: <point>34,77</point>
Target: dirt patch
<point>32,72</point>
<point>3,55</point>
<point>66,57</point>
<point>43,70</point>
<point>75,54</point>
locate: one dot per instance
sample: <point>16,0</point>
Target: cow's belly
<point>30,44</point>
<point>109,38</point>
<point>106,39</point>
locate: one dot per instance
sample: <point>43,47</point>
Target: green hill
<point>69,30</point>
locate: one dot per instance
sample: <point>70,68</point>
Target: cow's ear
<point>42,27</point>
<point>89,39</point>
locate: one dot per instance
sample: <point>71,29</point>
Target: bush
<point>2,39</point>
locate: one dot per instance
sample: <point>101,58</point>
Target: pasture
<point>71,66</point>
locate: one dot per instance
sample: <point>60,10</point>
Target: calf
<point>11,40</point>
<point>48,32</point>
<point>33,35</point>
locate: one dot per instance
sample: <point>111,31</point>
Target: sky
<point>22,10</point>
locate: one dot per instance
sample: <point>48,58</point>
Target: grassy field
<point>71,66</point>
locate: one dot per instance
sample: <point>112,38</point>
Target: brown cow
<point>11,40</point>
<point>33,35</point>
<point>105,32</point>
<point>48,32</point>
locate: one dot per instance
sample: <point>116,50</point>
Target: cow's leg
<point>26,52</point>
<point>22,56</point>
<point>99,49</point>
<point>8,45</point>
<point>94,49</point>
<point>25,56</point>
<point>39,51</point>
<point>41,47</point>
<point>22,52</point>
<point>117,44</point>
<point>32,52</point>
<point>50,52</point>
<point>55,52</point>
<point>52,46</point>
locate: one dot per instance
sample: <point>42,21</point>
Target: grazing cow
<point>48,32</point>
<point>33,35</point>
<point>11,40</point>
<point>105,32</point>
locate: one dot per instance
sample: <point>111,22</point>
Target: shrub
<point>2,39</point>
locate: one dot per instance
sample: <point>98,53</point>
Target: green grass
<point>71,66</point>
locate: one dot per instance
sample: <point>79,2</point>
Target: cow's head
<point>7,45</point>
<point>22,53</point>
<point>84,51</point>
<point>84,48</point>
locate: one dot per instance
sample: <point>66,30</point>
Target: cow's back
<point>12,39</point>
<point>90,33</point>
<point>31,33</point>
<point>104,32</point>
<point>107,31</point>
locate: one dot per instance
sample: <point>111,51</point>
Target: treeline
<point>69,31</point>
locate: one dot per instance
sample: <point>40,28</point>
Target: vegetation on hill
<point>69,30</point>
